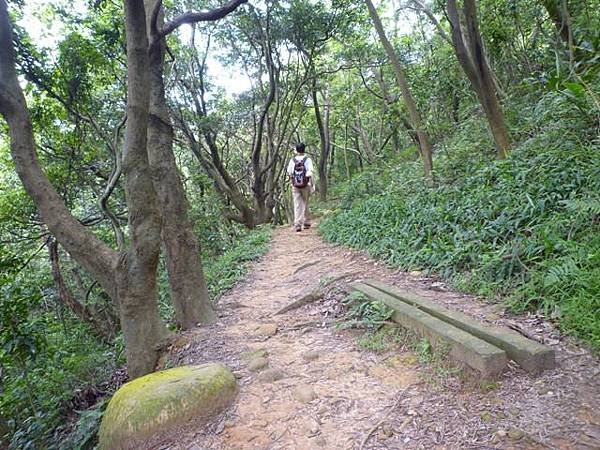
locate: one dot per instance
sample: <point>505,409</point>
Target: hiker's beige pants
<point>301,197</point>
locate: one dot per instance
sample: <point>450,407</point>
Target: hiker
<point>300,170</point>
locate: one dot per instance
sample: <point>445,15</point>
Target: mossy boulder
<point>162,401</point>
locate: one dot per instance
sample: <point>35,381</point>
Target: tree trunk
<point>364,137</point>
<point>261,211</point>
<point>415,116</point>
<point>130,279</point>
<point>470,55</point>
<point>322,125</point>
<point>387,100</point>
<point>189,294</point>
<point>559,17</point>
<point>346,165</point>
<point>136,278</point>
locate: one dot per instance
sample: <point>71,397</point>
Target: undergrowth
<point>525,229</point>
<point>224,271</point>
<point>50,362</point>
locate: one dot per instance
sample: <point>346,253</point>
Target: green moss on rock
<point>161,401</point>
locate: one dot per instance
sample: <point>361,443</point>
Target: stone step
<point>482,357</point>
<point>530,355</point>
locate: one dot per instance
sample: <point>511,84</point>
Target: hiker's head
<point>300,147</point>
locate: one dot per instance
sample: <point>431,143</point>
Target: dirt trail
<point>334,395</point>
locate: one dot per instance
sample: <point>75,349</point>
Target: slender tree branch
<point>189,18</point>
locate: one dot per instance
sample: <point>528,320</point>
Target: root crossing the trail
<point>318,386</point>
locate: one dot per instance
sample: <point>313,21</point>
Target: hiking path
<point>304,383</point>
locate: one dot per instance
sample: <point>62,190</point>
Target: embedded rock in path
<point>257,364</point>
<point>515,434</point>
<point>260,353</point>
<point>310,355</point>
<point>163,401</point>
<point>268,329</point>
<point>304,393</point>
<point>271,375</point>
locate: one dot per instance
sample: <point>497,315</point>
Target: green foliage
<point>85,435</point>
<point>223,272</point>
<point>39,393</point>
<point>21,336</point>
<point>363,186</point>
<point>362,312</point>
<point>524,228</point>
<point>380,340</point>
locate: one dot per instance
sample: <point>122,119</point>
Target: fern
<point>559,273</point>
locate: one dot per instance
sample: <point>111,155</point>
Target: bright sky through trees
<point>47,30</point>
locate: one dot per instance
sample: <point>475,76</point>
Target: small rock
<point>260,353</point>
<point>515,434</point>
<point>410,359</point>
<point>501,433</point>
<point>323,410</point>
<point>229,424</point>
<point>486,416</point>
<point>312,427</point>
<point>310,355</point>
<point>270,375</point>
<point>415,273</point>
<point>304,393</point>
<point>321,442</point>
<point>386,431</point>
<point>267,329</point>
<point>438,286</point>
<point>394,361</point>
<point>261,423</point>
<point>514,411</point>
<point>258,364</point>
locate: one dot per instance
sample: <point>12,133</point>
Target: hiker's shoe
<point>306,226</point>
<point>298,228</point>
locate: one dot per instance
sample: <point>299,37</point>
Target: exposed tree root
<point>316,294</point>
<point>306,265</point>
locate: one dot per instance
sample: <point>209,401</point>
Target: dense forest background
<point>460,139</point>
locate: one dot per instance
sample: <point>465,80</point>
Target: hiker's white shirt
<point>301,196</point>
<point>308,164</point>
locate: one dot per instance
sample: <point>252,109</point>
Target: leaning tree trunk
<point>415,116</point>
<point>189,294</point>
<point>557,11</point>
<point>471,58</point>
